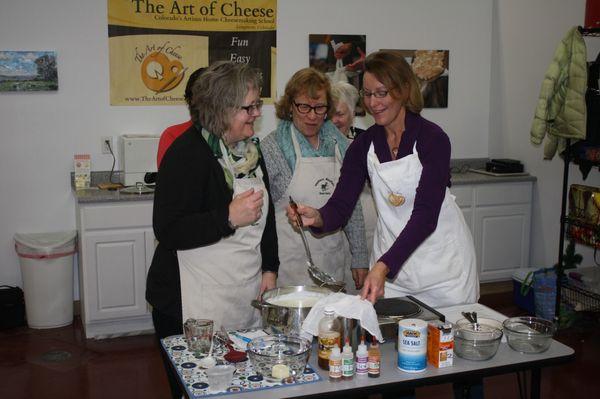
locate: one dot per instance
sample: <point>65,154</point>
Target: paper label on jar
<point>327,342</point>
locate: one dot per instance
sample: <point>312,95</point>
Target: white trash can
<point>47,269</point>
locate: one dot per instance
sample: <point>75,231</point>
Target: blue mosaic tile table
<point>244,379</point>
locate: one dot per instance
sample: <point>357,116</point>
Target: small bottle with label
<point>330,332</point>
<point>362,358</point>
<point>374,360</point>
<point>335,364</point>
<point>347,361</point>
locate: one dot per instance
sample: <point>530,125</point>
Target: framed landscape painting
<point>28,71</point>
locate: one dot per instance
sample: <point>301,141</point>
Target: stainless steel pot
<point>285,319</point>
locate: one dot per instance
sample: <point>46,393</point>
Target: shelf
<point>579,298</point>
<point>582,232</point>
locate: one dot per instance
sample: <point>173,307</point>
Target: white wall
<point>41,131</point>
<point>525,35</point>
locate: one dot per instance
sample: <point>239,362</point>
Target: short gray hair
<point>219,92</point>
<point>346,93</point>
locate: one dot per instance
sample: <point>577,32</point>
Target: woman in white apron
<point>422,245</point>
<point>213,216</point>
<point>303,157</point>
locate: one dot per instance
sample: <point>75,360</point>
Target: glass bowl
<point>529,334</point>
<point>279,356</point>
<point>219,377</point>
<point>477,342</point>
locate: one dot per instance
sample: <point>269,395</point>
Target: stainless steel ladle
<point>325,279</point>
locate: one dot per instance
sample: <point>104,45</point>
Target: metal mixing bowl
<point>477,342</point>
<point>529,334</point>
<point>280,319</point>
<point>291,351</point>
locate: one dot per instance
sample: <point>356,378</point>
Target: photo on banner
<point>155,46</point>
<point>432,68</point>
<point>340,57</point>
<point>28,71</point>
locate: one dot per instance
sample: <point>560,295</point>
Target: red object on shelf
<point>592,14</point>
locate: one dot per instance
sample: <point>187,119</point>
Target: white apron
<point>369,212</point>
<point>312,183</point>
<point>219,281</point>
<point>442,270</point>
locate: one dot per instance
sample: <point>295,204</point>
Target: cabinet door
<point>468,215</point>
<point>116,274</point>
<point>502,240</point>
<point>149,246</point>
<point>463,196</point>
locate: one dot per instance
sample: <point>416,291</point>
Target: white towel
<point>348,306</point>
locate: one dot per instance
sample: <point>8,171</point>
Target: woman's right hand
<point>310,216</point>
<point>246,208</point>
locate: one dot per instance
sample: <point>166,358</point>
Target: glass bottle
<point>330,332</point>
<point>374,359</point>
<point>362,357</point>
<point>335,364</point>
<point>347,361</point>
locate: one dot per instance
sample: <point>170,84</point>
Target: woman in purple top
<point>422,245</point>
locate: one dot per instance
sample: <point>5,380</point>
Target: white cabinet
<point>499,216</point>
<point>116,245</point>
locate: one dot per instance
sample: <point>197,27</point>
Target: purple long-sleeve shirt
<point>433,147</point>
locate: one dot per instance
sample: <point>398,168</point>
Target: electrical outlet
<point>107,145</point>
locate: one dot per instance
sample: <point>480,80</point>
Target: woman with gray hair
<point>213,215</point>
<point>345,97</point>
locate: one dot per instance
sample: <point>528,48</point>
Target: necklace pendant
<point>396,199</point>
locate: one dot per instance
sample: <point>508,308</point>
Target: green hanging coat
<point>561,110</point>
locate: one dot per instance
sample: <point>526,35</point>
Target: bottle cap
<point>347,347</point>
<point>335,351</point>
<point>328,310</point>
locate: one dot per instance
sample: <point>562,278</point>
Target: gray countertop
<point>94,194</point>
<point>478,178</point>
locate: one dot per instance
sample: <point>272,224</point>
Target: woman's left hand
<point>269,281</point>
<point>359,275</point>
<point>374,282</point>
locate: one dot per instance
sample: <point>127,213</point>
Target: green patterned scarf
<point>243,156</point>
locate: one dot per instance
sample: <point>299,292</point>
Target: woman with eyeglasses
<point>213,216</point>
<point>304,156</point>
<point>422,245</point>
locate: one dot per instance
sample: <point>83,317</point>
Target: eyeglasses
<point>253,109</point>
<point>376,94</point>
<point>305,108</point>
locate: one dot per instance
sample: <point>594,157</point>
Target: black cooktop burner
<point>396,308</point>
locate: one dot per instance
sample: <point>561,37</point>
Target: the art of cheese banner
<point>154,45</point>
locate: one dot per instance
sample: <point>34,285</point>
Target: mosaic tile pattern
<point>244,378</point>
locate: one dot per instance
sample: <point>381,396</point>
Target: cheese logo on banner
<point>161,74</point>
<point>154,45</point>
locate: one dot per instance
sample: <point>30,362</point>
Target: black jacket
<point>191,209</point>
